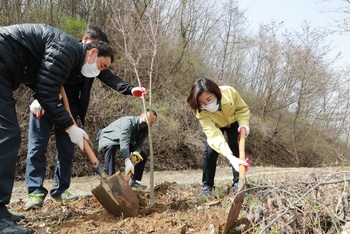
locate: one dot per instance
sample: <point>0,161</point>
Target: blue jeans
<point>109,156</point>
<point>210,157</point>
<point>39,133</point>
<point>10,141</point>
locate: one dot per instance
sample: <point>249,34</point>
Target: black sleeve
<point>62,55</point>
<point>115,82</point>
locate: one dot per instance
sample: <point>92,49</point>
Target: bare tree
<point>139,25</point>
<point>310,71</point>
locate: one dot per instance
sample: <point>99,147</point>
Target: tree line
<point>298,95</point>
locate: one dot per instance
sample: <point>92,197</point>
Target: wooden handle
<point>242,157</point>
<point>91,154</point>
<point>87,146</point>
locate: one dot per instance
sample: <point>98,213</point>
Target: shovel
<point>114,192</point>
<point>237,202</point>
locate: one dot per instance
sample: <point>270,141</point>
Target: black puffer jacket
<point>43,58</point>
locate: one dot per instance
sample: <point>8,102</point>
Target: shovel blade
<point>234,211</point>
<point>239,198</point>
<point>116,196</point>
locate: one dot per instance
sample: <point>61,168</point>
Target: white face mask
<point>211,107</point>
<point>90,70</point>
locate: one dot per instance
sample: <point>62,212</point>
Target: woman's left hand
<point>235,162</point>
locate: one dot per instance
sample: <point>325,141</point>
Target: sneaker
<point>35,201</point>
<point>64,197</point>
<point>9,227</point>
<point>134,184</point>
<point>206,191</point>
<point>16,217</point>
<point>235,190</point>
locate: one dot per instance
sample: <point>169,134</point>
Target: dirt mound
<point>176,210</point>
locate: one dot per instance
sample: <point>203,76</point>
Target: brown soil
<point>177,208</point>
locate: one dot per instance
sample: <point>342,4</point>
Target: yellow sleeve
<point>215,138</point>
<point>242,110</point>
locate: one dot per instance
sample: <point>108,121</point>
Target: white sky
<point>320,14</point>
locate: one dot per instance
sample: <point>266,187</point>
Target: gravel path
<point>82,186</point>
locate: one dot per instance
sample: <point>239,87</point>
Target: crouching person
<point>127,135</point>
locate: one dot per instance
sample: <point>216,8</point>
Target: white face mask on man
<point>90,70</point>
<point>211,107</point>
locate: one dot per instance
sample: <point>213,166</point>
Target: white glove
<point>36,109</point>
<point>235,162</point>
<point>129,167</point>
<point>139,92</point>
<point>246,129</point>
<point>77,136</point>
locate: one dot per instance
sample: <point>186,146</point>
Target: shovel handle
<point>128,177</point>
<point>242,168</point>
<point>237,202</point>
<point>95,163</point>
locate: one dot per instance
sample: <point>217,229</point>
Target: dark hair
<point>104,49</point>
<point>200,86</point>
<point>152,111</point>
<point>95,33</point>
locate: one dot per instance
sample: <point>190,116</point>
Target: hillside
<point>178,140</point>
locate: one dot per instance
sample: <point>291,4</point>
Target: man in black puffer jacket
<point>40,128</point>
<point>42,57</point>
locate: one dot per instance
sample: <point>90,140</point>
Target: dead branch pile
<point>310,203</point>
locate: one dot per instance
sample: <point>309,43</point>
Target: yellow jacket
<point>233,108</point>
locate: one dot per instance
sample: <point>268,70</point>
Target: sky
<point>319,13</point>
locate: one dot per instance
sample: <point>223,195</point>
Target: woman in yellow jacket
<point>219,109</point>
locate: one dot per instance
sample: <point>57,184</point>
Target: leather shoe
<point>7,226</point>
<point>16,217</point>
<point>134,184</point>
